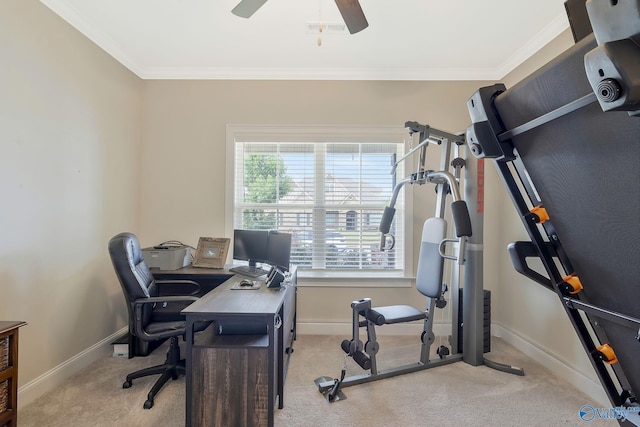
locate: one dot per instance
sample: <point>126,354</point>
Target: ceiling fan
<point>349,9</point>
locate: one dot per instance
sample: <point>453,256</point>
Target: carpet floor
<point>457,394</point>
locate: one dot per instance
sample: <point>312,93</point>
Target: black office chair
<point>151,317</point>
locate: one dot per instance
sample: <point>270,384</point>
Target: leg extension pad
<point>360,357</point>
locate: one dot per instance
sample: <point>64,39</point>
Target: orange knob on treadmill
<point>540,213</point>
<point>606,353</point>
<point>574,284</point>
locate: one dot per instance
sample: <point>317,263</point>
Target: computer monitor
<point>279,249</point>
<point>251,245</point>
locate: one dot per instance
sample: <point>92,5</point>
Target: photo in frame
<point>211,252</point>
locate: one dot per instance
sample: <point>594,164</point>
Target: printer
<point>166,257</point>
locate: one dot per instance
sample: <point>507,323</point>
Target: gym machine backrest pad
<point>430,262</point>
<point>585,167</point>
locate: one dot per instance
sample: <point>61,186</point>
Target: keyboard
<point>252,272</point>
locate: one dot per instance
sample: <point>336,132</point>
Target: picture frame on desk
<point>211,252</point>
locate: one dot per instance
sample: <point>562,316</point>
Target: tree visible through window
<point>265,183</point>
<point>329,195</point>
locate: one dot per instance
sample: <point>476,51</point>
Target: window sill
<point>358,279</point>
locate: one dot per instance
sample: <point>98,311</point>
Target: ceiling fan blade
<point>246,8</point>
<point>352,14</point>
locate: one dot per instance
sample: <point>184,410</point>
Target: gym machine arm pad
<point>461,218</point>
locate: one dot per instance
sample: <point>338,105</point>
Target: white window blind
<point>329,195</point>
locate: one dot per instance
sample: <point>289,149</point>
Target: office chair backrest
<point>132,271</point>
<point>430,262</point>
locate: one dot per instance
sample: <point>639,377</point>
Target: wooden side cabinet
<point>236,379</point>
<point>9,373</point>
<point>232,384</point>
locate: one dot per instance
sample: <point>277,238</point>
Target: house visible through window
<point>327,188</point>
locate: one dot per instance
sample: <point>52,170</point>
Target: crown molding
<point>71,15</point>
<point>203,73</point>
<point>544,37</point>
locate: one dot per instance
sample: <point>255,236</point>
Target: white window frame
<point>326,133</point>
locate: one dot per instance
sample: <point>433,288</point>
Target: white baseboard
<point>56,376</point>
<point>581,380</point>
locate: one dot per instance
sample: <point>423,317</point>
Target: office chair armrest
<point>182,284</point>
<point>173,298</point>
<point>171,332</point>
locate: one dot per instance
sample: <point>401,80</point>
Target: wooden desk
<point>235,380</point>
<point>9,373</point>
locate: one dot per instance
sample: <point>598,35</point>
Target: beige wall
<point>184,170</point>
<point>70,128</point>
<point>89,150</point>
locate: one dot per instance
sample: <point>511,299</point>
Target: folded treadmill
<point>566,143</point>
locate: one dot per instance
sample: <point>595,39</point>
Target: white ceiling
<point>405,40</point>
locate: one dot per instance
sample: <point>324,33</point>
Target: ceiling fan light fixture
<point>314,27</point>
<point>350,10</point>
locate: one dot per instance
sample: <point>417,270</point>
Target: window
<point>320,184</point>
<point>352,220</point>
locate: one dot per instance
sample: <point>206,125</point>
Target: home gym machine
<point>470,334</point>
<point>566,143</point>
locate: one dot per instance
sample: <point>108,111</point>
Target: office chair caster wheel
<point>148,404</point>
<point>126,384</point>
